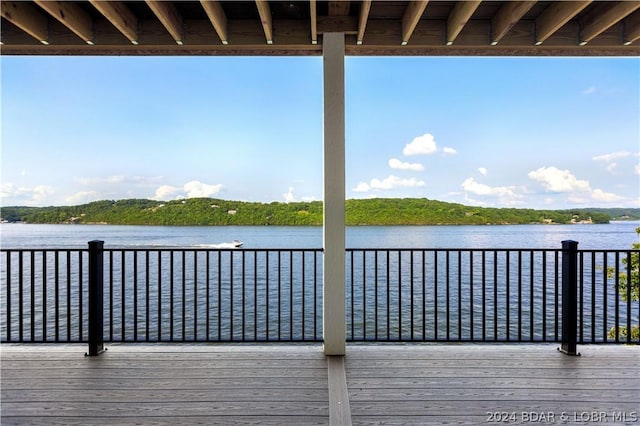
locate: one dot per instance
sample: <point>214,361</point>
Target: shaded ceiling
<point>291,28</point>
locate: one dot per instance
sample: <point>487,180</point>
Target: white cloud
<point>392,182</point>
<point>483,171</point>
<point>607,158</point>
<point>196,189</point>
<point>394,163</point>
<point>23,195</point>
<point>193,189</point>
<point>362,187</point>
<point>589,90</point>
<point>637,169</point>
<point>421,145</point>
<point>166,192</point>
<point>289,197</point>
<point>607,197</point>
<point>610,161</point>
<point>470,185</point>
<point>120,179</point>
<point>450,151</point>
<point>580,191</point>
<point>388,183</point>
<point>556,180</point>
<point>83,197</point>
<point>596,195</point>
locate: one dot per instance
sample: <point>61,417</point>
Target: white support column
<point>334,324</point>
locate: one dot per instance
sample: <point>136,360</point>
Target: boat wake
<point>232,244</point>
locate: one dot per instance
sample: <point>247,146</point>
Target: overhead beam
<point>27,18</point>
<point>555,16</point>
<point>365,7</point>
<point>170,18</point>
<point>410,19</point>
<point>462,11</point>
<point>265,18</point>
<point>217,17</point>
<point>120,16</point>
<point>603,17</point>
<point>71,16</point>
<point>631,29</point>
<point>334,24</point>
<point>339,7</point>
<point>313,13</point>
<point>507,16</point>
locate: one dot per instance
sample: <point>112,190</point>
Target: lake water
<point>616,235</point>
<point>227,295</point>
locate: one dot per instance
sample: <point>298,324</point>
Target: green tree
<point>628,288</point>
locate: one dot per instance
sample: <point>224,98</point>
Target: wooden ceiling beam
<point>410,19</point>
<point>338,24</point>
<point>120,16</point>
<point>365,7</point>
<point>170,18</point>
<point>631,29</point>
<point>265,18</point>
<point>27,18</point>
<point>507,16</point>
<point>461,13</point>
<point>313,13</point>
<point>603,17</point>
<point>339,7</point>
<point>71,16</point>
<point>555,16</point>
<point>217,17</point>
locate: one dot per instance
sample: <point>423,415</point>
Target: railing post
<point>569,297</point>
<point>96,281</point>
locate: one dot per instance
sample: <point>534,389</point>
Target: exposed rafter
<point>603,17</point>
<point>632,29</point>
<point>410,19</point>
<point>370,27</point>
<point>265,18</point>
<point>27,18</point>
<point>555,16</point>
<point>120,16</point>
<point>71,16</point>
<point>217,17</point>
<point>507,16</point>
<point>365,7</point>
<point>458,18</point>
<point>313,16</point>
<point>168,15</point>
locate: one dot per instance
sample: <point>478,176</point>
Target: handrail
<point>275,295</point>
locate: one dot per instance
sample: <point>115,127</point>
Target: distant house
<point>232,211</point>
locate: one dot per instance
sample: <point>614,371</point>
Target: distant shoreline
<point>359,212</point>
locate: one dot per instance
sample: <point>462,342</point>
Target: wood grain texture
<point>412,384</point>
<point>463,384</point>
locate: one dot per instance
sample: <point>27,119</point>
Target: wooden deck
<point>290,384</point>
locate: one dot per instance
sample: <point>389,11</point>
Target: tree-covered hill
<point>377,211</point>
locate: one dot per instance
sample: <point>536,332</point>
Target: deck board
<point>464,384</point>
<point>279,384</point>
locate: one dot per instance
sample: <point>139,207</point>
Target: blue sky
<point>547,133</point>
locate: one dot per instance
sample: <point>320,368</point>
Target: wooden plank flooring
<point>165,384</point>
<point>468,384</point>
<point>288,384</point>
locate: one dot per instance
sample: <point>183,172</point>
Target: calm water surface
<point>616,235</point>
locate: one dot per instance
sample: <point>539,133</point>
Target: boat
<point>237,244</point>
